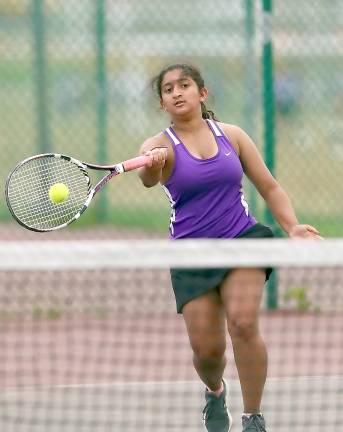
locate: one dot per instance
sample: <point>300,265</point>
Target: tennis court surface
<point>90,340</point>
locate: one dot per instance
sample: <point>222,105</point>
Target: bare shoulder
<point>233,133</point>
<point>159,140</point>
<point>231,129</point>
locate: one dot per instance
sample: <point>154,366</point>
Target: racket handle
<point>135,163</point>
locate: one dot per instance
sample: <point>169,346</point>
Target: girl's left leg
<point>241,293</point>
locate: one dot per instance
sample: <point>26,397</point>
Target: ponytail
<point>206,113</point>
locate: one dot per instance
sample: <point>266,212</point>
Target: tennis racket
<point>27,189</point>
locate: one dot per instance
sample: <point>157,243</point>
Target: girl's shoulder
<point>232,133</point>
<point>230,128</point>
<point>158,140</point>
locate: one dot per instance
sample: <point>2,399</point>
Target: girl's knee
<point>209,353</point>
<point>243,329</point>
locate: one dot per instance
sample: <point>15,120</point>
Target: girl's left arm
<point>271,191</point>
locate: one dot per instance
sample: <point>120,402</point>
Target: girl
<point>200,163</point>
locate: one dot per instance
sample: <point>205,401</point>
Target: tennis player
<point>200,162</point>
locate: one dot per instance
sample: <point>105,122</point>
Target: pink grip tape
<point>135,163</point>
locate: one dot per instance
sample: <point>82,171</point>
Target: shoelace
<point>256,421</point>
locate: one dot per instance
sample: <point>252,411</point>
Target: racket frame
<point>114,170</point>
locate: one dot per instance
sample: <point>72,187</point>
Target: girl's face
<point>180,94</point>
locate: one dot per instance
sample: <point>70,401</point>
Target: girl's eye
<point>185,85</point>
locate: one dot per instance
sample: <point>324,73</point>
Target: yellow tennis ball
<point>58,193</point>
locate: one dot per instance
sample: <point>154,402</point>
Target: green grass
<point>5,215</point>
<point>149,219</point>
<point>50,313</point>
<point>328,226</point>
<point>157,220</point>
<point>130,217</point>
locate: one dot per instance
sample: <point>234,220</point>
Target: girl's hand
<point>304,231</point>
<point>157,158</point>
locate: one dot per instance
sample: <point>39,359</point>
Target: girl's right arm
<point>151,173</point>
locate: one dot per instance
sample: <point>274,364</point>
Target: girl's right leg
<point>206,326</point>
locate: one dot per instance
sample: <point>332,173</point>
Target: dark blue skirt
<point>189,284</point>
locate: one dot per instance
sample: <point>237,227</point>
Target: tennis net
<point>90,339</point>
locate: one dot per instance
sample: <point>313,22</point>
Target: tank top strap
<point>223,139</point>
<point>172,137</point>
<point>212,124</point>
<point>215,128</point>
<point>218,133</point>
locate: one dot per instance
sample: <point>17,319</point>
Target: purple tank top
<point>206,195</point>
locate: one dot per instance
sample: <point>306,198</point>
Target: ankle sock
<point>218,392</point>
<point>248,415</point>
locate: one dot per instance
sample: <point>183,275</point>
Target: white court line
<point>17,390</point>
<point>96,385</point>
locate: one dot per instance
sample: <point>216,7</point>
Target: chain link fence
<point>74,79</point>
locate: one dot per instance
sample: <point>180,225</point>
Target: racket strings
<point>28,192</point>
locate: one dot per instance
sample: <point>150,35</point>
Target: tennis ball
<point>58,193</point>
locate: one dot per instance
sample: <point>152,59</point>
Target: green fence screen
<point>74,79</point>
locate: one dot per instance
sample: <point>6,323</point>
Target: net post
<point>250,86</point>
<point>101,100</point>
<point>269,126</point>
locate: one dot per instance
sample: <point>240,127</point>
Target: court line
<point>8,390</point>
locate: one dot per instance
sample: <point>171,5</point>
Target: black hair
<point>188,71</point>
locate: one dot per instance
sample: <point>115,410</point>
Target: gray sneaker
<point>254,423</point>
<point>216,416</point>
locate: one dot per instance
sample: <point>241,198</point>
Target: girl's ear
<point>203,94</point>
<point>162,105</point>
